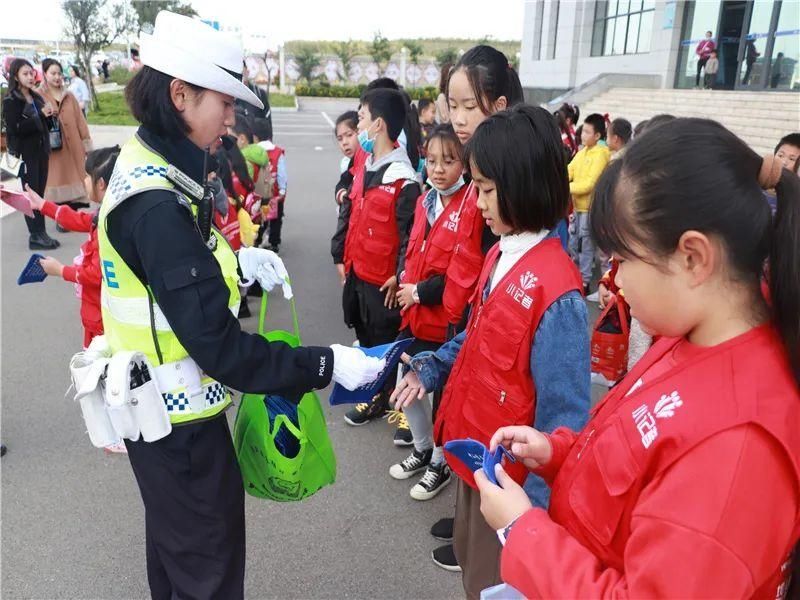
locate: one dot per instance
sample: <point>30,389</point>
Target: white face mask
<point>451,190</point>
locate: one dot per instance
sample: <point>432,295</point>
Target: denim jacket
<point>560,367</point>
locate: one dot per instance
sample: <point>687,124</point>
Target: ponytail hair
<point>697,175</point>
<point>784,266</point>
<point>100,163</point>
<point>490,76</point>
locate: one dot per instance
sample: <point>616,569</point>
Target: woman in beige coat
<point>66,173</point>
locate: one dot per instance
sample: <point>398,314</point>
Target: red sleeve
<point>88,273</point>
<point>561,440</point>
<point>716,524</point>
<point>67,217</point>
<point>70,273</point>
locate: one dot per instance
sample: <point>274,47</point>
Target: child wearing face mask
<point>524,356</point>
<point>422,282</point>
<point>85,272</point>
<point>346,131</point>
<point>373,233</point>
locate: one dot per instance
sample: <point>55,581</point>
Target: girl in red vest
<point>524,356</point>
<point>685,482</point>
<point>85,271</point>
<point>422,282</point>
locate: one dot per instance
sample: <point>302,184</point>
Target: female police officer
<point>170,291</point>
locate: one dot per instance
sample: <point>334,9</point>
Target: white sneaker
<point>118,448</point>
<point>434,480</point>
<point>600,379</point>
<point>595,297</point>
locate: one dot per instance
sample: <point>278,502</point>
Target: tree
<point>94,25</point>
<point>447,56</point>
<point>146,11</point>
<point>415,51</point>
<point>345,51</point>
<point>307,60</point>
<point>380,50</point>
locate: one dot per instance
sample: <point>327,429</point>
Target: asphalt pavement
<point>72,518</point>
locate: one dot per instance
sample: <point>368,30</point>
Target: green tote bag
<point>281,460</point>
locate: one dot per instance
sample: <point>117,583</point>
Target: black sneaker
<point>363,413</point>
<point>255,290</point>
<point>3,450</point>
<point>434,480</point>
<point>445,557</point>
<point>412,464</point>
<point>443,530</point>
<point>42,241</point>
<point>274,248</point>
<point>402,435</point>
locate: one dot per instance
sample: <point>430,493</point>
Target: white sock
<point>437,457</point>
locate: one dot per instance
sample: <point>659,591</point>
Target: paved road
<point>72,518</point>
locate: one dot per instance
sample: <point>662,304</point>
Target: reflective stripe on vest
<point>131,318</point>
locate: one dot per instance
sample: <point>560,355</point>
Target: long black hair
<point>100,163</point>
<point>697,175</point>
<point>520,150</point>
<point>490,76</point>
<point>16,65</point>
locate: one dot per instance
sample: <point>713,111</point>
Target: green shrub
<point>113,110</point>
<point>120,75</point>
<point>355,91</point>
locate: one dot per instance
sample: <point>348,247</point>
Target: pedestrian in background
<point>703,51</point>
<point>26,114</point>
<point>712,68</point>
<point>79,89</point>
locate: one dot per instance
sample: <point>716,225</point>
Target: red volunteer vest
<point>465,264</point>
<point>372,243</point>
<point>274,156</point>
<point>229,226</point>
<point>632,439</point>
<point>490,385</point>
<point>428,256</point>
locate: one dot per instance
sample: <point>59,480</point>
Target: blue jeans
<point>581,245</point>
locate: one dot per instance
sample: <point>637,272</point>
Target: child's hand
<point>405,295</point>
<point>603,295</point>
<point>37,202</point>
<point>525,443</point>
<point>500,506</point>
<point>407,391</point>
<point>51,266</point>
<point>390,287</point>
<point>340,271</point>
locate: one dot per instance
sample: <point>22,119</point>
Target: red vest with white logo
<point>429,256</point>
<point>490,385</point>
<point>275,155</point>
<point>373,242</point>
<point>465,264</point>
<point>633,439</point>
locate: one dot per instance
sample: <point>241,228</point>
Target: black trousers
<point>364,311</point>
<point>193,497</point>
<point>275,227</point>
<point>35,175</point>
<point>700,64</point>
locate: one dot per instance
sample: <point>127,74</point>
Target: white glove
<point>266,267</point>
<point>352,368</point>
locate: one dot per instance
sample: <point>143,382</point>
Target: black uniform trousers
<point>275,226</point>
<point>364,310</point>
<point>194,512</point>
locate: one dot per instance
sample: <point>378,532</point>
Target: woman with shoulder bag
<point>69,139</point>
<point>26,114</point>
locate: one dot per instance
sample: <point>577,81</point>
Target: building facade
<point>568,43</point>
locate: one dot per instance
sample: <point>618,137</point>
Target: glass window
<point>537,30</point>
<point>699,17</point>
<point>622,27</point>
<point>752,67</point>
<point>784,73</point>
<point>555,7</point>
<point>633,34</point>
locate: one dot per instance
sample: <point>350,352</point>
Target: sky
<point>274,21</point>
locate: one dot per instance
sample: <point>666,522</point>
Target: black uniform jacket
<point>155,235</point>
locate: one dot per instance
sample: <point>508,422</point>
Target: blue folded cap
<point>33,271</point>
<point>476,456</point>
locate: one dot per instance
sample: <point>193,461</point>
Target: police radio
<point>201,196</point>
